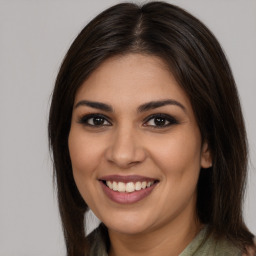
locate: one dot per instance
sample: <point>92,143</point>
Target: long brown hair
<point>199,65</point>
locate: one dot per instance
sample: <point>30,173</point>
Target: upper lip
<point>127,178</point>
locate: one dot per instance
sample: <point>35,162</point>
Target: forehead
<point>131,79</point>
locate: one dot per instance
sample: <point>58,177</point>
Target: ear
<point>206,156</point>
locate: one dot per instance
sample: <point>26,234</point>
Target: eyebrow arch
<point>142,108</point>
<point>157,104</point>
<point>94,104</point>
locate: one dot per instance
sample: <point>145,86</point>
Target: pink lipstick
<point>127,189</point>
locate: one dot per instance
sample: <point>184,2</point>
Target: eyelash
<point>84,120</point>
<point>166,118</point>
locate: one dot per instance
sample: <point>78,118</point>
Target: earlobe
<point>206,156</point>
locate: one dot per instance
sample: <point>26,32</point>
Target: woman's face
<point>135,146</point>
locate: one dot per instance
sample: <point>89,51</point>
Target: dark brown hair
<point>199,65</point>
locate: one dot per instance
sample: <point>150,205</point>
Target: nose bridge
<point>125,148</point>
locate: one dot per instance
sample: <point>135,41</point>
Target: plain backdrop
<point>34,36</point>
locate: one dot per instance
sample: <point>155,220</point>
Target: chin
<point>129,225</point>
<point>127,229</point>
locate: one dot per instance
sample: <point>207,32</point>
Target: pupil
<point>159,121</point>
<point>98,121</point>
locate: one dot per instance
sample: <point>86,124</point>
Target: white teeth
<point>121,187</point>
<point>115,186</point>
<point>138,185</point>
<point>128,187</point>
<point>109,184</point>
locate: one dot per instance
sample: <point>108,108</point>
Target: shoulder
<point>213,247</point>
<point>204,244</point>
<point>226,248</point>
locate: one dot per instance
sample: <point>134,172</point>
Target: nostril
<point>125,152</point>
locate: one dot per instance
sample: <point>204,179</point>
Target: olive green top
<point>201,245</point>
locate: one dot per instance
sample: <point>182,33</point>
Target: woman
<point>146,130</point>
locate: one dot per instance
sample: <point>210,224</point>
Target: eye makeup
<point>156,121</point>
<point>94,120</point>
<point>160,120</point>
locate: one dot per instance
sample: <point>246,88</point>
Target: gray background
<point>34,36</point>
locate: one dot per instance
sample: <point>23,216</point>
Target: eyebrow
<point>157,104</point>
<point>94,104</point>
<point>142,108</point>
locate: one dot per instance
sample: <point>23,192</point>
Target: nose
<point>125,149</point>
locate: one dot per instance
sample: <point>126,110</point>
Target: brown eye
<point>160,121</point>
<point>96,120</point>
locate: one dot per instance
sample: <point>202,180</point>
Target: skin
<point>127,143</point>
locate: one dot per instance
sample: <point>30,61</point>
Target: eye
<point>96,120</point>
<point>160,121</point>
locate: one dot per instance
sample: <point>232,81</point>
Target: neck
<point>169,240</point>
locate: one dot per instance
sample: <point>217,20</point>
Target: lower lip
<point>125,197</point>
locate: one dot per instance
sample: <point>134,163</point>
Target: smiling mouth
<point>128,187</point>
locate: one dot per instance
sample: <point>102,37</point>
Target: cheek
<point>179,161</point>
<point>84,153</point>
<point>178,155</point>
<point>179,150</point>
